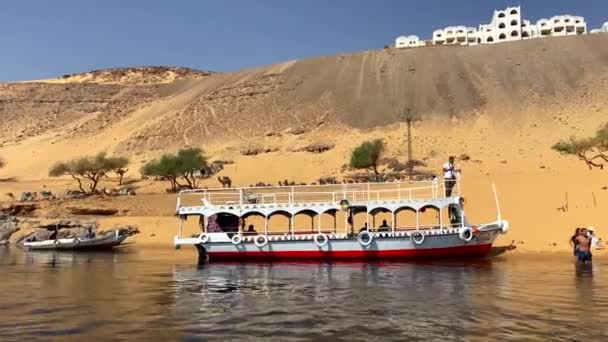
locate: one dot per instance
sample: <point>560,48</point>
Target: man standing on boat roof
<point>450,173</point>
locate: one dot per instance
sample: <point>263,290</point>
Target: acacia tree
<point>367,155</point>
<point>182,165</point>
<point>593,151</point>
<point>88,168</point>
<point>119,165</point>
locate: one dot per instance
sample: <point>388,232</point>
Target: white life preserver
<point>203,238</point>
<point>259,243</point>
<point>76,241</point>
<point>56,242</point>
<point>417,241</point>
<point>236,239</point>
<point>466,234</point>
<point>504,226</point>
<point>365,242</point>
<point>324,239</point>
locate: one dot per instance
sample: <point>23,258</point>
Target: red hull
<point>426,253</point>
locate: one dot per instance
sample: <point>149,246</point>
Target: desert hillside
<point>502,106</point>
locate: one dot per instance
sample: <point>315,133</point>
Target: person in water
<point>583,254</point>
<point>574,242</point>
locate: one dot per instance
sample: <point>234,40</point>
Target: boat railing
<point>293,195</point>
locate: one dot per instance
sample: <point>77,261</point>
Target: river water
<point>162,295</point>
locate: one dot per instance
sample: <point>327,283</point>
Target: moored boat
<point>106,241</point>
<point>333,211</point>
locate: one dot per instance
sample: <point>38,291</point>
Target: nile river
<point>162,295</point>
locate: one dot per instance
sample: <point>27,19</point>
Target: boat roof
<point>391,196</point>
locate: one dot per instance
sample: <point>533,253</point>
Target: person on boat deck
<point>584,247</point>
<point>449,174</point>
<point>54,234</point>
<point>90,233</point>
<point>384,226</point>
<point>250,229</point>
<point>574,242</point>
<point>456,213</point>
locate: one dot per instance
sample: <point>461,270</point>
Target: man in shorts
<point>583,255</point>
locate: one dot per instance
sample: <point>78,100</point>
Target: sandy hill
<point>503,105</point>
<point>132,76</point>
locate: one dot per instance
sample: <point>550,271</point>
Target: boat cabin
<point>339,211</point>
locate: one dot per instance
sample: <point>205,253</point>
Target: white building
<point>455,35</point>
<point>603,29</point>
<point>506,25</point>
<point>561,25</point>
<point>408,42</point>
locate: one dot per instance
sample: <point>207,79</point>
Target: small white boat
<point>102,242</point>
<point>224,213</point>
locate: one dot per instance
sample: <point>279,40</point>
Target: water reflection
<point>162,295</point>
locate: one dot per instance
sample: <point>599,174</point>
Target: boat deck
<point>317,198</point>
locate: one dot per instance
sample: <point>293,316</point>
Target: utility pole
<point>409,119</point>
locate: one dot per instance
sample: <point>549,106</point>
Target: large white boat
<point>225,216</point>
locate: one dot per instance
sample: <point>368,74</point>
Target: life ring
<point>323,238</point>
<point>236,239</point>
<point>365,241</point>
<point>76,241</point>
<point>203,238</point>
<point>419,240</point>
<point>262,243</point>
<point>504,226</point>
<point>466,234</point>
<point>56,242</point>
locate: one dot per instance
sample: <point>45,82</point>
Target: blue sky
<point>41,39</point>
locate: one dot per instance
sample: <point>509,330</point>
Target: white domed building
<point>408,42</point>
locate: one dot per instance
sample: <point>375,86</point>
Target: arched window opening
<point>514,22</point>
<point>514,11</point>
<point>502,36</point>
<point>490,40</point>
<point>501,25</point>
<point>278,221</point>
<point>501,14</point>
<point>514,34</point>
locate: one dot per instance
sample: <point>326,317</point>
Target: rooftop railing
<point>333,193</point>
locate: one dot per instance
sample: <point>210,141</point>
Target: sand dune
<point>502,105</point>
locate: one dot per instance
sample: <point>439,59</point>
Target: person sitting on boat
<point>54,234</point>
<point>250,230</point>
<point>449,174</point>
<point>384,227</point>
<point>90,233</point>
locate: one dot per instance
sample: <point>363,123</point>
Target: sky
<point>49,38</point>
